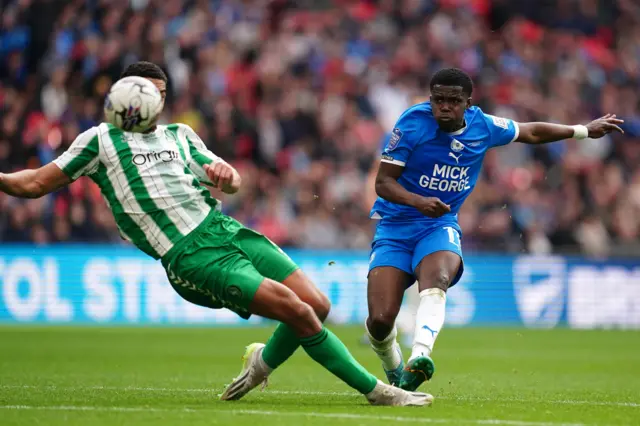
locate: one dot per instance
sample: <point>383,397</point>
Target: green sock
<point>326,349</point>
<point>280,346</point>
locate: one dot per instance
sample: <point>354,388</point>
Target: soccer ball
<point>133,104</point>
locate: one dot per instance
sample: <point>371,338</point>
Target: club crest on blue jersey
<point>396,135</point>
<point>499,121</point>
<point>456,146</point>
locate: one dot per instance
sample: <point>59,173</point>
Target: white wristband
<point>580,132</point>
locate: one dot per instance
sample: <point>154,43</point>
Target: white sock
<point>429,321</point>
<point>406,320</point>
<point>386,349</point>
<point>263,365</point>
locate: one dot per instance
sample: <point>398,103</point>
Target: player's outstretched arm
<point>34,183</point>
<point>387,187</point>
<point>537,133</point>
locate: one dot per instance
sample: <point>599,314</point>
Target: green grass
<point>162,376</point>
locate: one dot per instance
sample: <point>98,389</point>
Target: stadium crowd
<point>298,96</point>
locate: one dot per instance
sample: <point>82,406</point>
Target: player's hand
<point>220,174</point>
<point>432,207</point>
<point>604,125</point>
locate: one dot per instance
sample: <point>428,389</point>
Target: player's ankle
<point>264,366</point>
<point>419,350</point>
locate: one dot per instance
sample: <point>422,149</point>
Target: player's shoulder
<point>483,123</point>
<point>491,120</point>
<point>421,111</point>
<point>417,123</point>
<point>106,128</point>
<point>178,126</point>
<point>90,134</point>
<point>474,115</point>
<point>93,131</point>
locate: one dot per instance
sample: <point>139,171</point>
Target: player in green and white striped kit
<point>153,183</point>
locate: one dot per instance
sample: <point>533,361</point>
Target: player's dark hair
<point>452,77</point>
<point>144,69</point>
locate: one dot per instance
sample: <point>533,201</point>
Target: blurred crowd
<point>299,94</point>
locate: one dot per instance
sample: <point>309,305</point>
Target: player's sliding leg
<point>275,301</point>
<point>435,274</point>
<point>271,262</point>
<point>283,342</point>
<point>385,289</point>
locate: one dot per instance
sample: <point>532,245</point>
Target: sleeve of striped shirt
<point>199,155</point>
<point>81,158</point>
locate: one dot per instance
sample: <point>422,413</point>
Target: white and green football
<point>133,104</point>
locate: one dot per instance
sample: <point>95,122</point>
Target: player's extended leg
<point>436,272</point>
<point>271,262</point>
<point>280,301</point>
<point>275,301</point>
<point>385,289</point>
<point>284,342</point>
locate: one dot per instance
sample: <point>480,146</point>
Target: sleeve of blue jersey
<point>403,138</point>
<point>503,130</point>
<point>384,141</point>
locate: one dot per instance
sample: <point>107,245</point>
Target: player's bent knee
<point>302,318</point>
<point>275,301</point>
<point>297,314</point>
<point>300,311</point>
<point>309,293</point>
<point>321,306</point>
<point>381,323</point>
<point>442,280</point>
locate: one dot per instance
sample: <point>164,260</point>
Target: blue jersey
<point>437,163</point>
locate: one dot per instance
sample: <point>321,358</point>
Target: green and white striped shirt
<point>152,182</point>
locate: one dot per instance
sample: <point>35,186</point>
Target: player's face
<point>161,85</point>
<point>448,104</point>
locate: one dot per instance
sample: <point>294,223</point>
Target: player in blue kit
<point>405,320</point>
<point>428,168</point>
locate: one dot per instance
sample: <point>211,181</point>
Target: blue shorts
<point>404,244</point>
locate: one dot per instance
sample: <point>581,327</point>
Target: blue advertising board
<point>119,285</point>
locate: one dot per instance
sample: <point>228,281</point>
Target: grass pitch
<point>168,376</point>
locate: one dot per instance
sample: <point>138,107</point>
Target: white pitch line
<point>285,414</point>
<point>319,393</point>
<point>481,399</point>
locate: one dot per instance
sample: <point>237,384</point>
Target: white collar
<point>459,131</point>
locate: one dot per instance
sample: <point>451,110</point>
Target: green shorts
<point>221,264</point>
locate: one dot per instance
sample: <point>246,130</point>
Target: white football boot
<point>384,394</point>
<point>254,372</point>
